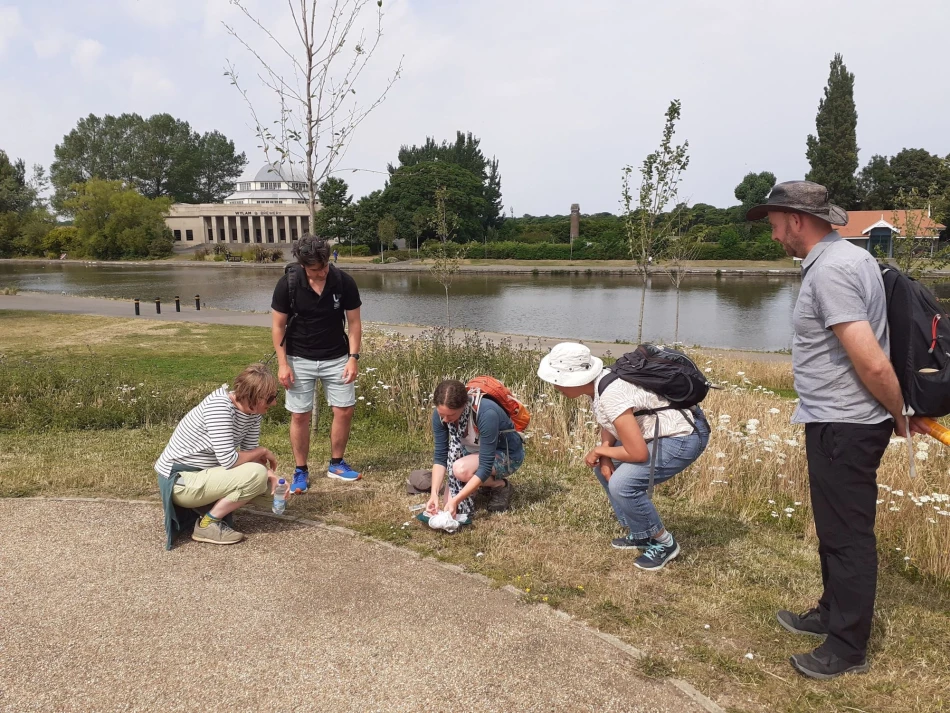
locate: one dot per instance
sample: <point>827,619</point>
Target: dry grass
<point>739,563</point>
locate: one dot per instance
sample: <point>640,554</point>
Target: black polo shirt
<point>318,331</point>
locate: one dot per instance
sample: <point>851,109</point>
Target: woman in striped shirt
<point>215,458</point>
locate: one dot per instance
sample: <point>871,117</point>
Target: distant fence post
<point>198,302</point>
<point>136,306</point>
<point>158,305</point>
<point>177,304</point>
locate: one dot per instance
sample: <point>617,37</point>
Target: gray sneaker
<point>217,533</point>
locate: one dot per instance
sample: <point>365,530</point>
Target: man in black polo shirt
<point>317,347</point>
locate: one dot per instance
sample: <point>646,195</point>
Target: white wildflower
<point>921,455</point>
<point>774,411</point>
<point>791,442</point>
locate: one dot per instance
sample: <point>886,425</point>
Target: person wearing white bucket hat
<point>621,461</point>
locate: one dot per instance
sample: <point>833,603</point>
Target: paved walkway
<point>96,616</point>
<point>42,302</point>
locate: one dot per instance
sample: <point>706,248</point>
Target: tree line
<point>912,178</point>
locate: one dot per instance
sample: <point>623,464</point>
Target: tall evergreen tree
<point>833,153</point>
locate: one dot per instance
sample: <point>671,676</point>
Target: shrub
<point>201,253</point>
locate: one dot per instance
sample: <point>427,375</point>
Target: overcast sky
<point>563,92</point>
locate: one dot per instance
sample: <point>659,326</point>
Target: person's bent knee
<point>303,417</point>
<point>251,481</point>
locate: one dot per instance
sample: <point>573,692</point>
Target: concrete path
<point>96,616</point>
<point>42,302</point>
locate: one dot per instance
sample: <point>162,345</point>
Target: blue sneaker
<point>657,555</point>
<point>301,481</point>
<point>341,471</point>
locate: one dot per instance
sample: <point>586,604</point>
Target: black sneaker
<point>808,622</point>
<point>630,543</point>
<point>824,665</point>
<point>499,499</point>
<point>656,555</point>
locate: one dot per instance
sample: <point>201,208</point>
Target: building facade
<point>264,209</point>
<point>876,230</point>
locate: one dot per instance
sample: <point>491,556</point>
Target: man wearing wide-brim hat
<point>849,402</point>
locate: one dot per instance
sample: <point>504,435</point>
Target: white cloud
<point>85,54</point>
<point>145,78</point>
<point>52,43</point>
<point>156,14</point>
<point>10,25</point>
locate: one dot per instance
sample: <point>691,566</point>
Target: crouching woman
<point>622,460</point>
<point>476,446</point>
<point>214,462</point>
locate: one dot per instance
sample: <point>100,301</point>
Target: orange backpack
<point>500,394</point>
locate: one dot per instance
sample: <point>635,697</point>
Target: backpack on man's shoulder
<point>669,374</point>
<point>481,386</point>
<point>919,331</point>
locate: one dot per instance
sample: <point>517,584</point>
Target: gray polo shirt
<point>841,283</point>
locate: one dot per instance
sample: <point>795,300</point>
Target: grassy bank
<point>86,405</point>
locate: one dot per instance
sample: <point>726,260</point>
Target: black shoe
<point>808,622</point>
<point>630,543</point>
<point>499,499</point>
<point>825,665</point>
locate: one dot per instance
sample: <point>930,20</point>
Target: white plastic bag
<point>443,521</point>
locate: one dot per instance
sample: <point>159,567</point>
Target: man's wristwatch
<point>355,356</point>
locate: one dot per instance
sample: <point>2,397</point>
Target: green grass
<point>738,565</point>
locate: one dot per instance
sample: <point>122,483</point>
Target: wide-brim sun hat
<point>800,197</point>
<point>570,364</point>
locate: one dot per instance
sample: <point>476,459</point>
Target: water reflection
<point>746,313</point>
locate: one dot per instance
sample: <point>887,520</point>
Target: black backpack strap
<point>605,381</point>
<point>293,276</point>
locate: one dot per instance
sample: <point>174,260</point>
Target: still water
<point>734,312</point>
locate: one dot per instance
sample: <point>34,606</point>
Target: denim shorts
<point>299,397</point>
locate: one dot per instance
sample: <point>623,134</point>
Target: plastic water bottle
<point>280,497</point>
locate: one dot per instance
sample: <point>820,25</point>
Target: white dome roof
<point>282,173</point>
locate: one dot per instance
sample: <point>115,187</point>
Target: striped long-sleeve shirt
<point>210,435</point>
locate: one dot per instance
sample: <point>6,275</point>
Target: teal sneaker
<point>657,556</point>
<point>341,471</point>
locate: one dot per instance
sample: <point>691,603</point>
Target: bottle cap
<point>282,482</point>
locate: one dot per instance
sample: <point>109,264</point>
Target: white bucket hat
<point>570,364</point>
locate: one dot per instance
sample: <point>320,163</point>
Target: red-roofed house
<point>876,230</point>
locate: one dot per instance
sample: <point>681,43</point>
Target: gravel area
<point>96,616</point>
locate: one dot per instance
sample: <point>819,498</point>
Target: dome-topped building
<point>268,186</point>
<point>269,207</point>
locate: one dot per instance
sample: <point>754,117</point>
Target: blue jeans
<point>627,487</point>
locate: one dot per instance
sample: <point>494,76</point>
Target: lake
<point>752,312</point>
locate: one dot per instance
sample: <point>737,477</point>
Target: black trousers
<point>842,470</point>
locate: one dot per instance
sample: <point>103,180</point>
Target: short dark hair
<point>311,251</point>
<point>451,393</point>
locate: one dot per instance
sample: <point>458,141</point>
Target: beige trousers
<point>205,487</point>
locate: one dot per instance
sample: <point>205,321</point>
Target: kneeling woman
<point>476,445</point>
<point>214,461</point>
<point>622,460</point>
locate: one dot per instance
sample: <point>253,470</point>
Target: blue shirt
<point>491,421</point>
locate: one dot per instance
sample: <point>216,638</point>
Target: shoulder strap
<point>293,275</point>
<point>605,381</point>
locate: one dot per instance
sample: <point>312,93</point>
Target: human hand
<point>274,480</point>
<point>451,506</point>
<point>918,424</point>
<point>606,467</point>
<point>592,459</point>
<point>285,375</point>
<point>432,507</point>
<point>350,371</point>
